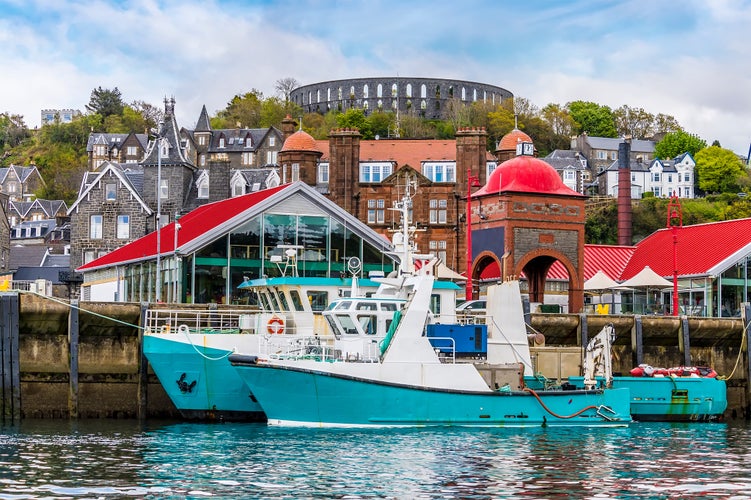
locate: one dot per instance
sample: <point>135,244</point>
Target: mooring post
<point>746,316</point>
<point>73,325</point>
<point>637,341</point>
<point>143,367</point>
<point>583,339</point>
<point>685,335</point>
<point>10,370</point>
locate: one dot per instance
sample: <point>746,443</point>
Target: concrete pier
<point>84,360</point>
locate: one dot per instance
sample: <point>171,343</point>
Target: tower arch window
<point>365,91</point>
<point>352,92</point>
<point>318,95</point>
<point>339,94</point>
<point>409,90</point>
<point>379,90</point>
<point>394,90</point>
<point>423,91</point>
<point>328,94</point>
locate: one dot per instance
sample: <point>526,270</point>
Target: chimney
<point>624,192</point>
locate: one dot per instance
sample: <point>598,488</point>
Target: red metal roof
<point>192,225</point>
<point>611,259</point>
<point>700,248</point>
<point>525,174</point>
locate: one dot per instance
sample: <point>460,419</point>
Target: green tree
<point>592,118</point>
<point>13,130</point>
<point>634,122</point>
<point>242,111</point>
<point>106,102</point>
<point>559,119</point>
<point>718,170</point>
<point>383,124</point>
<point>678,142</point>
<point>355,118</point>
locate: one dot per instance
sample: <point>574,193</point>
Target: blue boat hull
<point>299,397</point>
<point>673,399</point>
<point>200,381</point>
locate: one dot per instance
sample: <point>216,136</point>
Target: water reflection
<point>117,459</point>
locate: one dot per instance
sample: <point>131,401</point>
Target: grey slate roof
<point>171,133</point>
<point>113,140</point>
<point>203,124</point>
<point>637,145</point>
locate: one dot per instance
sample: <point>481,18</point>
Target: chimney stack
<point>625,226</point>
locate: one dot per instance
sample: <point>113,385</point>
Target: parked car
<point>471,306</point>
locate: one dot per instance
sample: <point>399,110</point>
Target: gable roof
<point>92,179</point>
<point>170,133</point>
<point>703,249</point>
<point>637,145</point>
<point>210,221</point>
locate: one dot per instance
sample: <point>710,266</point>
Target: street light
<point>472,181</point>
<point>159,213</point>
<point>675,221</point>
<point>176,273</point>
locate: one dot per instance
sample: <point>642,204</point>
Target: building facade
<point>430,98</point>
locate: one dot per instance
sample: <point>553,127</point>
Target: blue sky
<point>688,58</point>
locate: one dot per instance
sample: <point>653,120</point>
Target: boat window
<point>368,324</point>
<point>343,305</point>
<point>318,300</point>
<point>388,306</point>
<point>367,306</point>
<point>435,304</point>
<point>283,300</point>
<point>264,301</point>
<point>273,301</point>
<point>348,325</point>
<point>335,328</point>
<point>296,301</point>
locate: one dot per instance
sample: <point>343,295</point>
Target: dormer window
<point>203,187</point>
<point>221,142</point>
<point>164,149</point>
<point>272,141</point>
<point>248,142</point>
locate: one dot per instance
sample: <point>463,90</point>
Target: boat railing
<point>445,349</point>
<point>320,348</point>
<point>207,321</point>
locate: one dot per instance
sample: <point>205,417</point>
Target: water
<point>121,459</point>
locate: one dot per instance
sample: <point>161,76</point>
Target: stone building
<point>602,152</point>
<point>20,183</point>
<point>431,98</point>
<point>118,148</point>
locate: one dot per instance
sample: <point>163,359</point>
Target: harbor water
<point>127,459</point>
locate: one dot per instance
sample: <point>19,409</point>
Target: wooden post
<point>637,341</point>
<point>583,339</point>
<point>143,368</point>
<point>73,325</point>
<point>746,316</point>
<point>686,347</point>
<point>10,370</point>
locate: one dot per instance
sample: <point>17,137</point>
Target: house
<point>60,115</point>
<point>20,183</point>
<point>572,167</point>
<point>602,152</point>
<point>37,210</point>
<point>118,148</point>
<point>662,178</point>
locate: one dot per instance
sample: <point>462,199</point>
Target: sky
<point>685,58</point>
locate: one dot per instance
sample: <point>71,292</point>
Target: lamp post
<point>176,267</point>
<point>159,214</point>
<point>674,222</point>
<point>472,181</point>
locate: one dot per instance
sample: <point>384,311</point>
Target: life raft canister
<point>275,325</point>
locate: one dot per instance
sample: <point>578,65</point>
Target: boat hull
<point>293,396</point>
<point>673,399</point>
<point>199,380</point>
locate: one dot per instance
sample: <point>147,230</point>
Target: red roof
<point>192,225</point>
<point>410,152</point>
<point>509,141</point>
<point>525,174</point>
<point>300,141</point>
<point>700,248</point>
<point>611,259</point>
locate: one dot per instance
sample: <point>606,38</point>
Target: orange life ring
<point>275,325</point>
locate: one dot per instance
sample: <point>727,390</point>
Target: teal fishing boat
<point>414,380</point>
<point>680,394</point>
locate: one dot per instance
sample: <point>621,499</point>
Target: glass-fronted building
<point>205,255</point>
